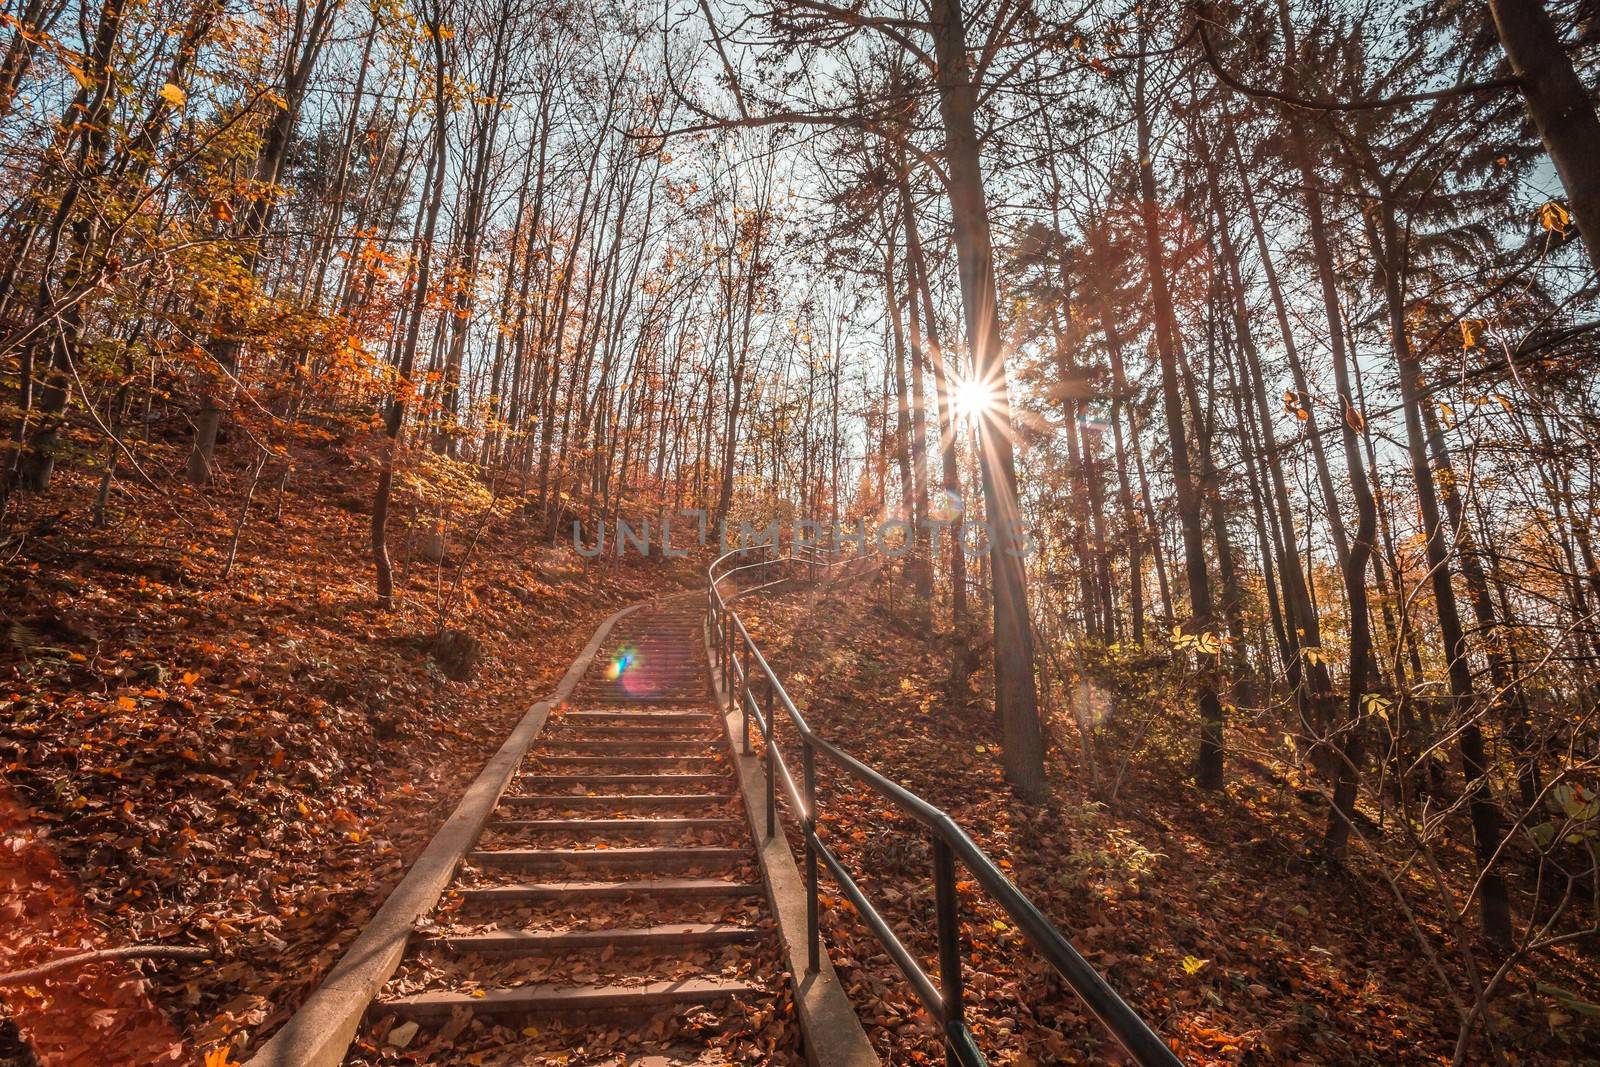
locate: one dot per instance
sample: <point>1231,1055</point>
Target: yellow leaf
<point>174,95</point>
<point>81,77</point>
<point>1554,217</point>
<point>1470,328</point>
<point>1377,704</point>
<point>1193,966</point>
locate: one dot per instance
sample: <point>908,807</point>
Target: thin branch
<point>894,29</point>
<point>1323,103</point>
<point>727,65</point>
<point>127,952</point>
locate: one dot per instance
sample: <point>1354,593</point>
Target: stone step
<point>618,761</point>
<point>548,942</point>
<point>616,826</point>
<point>618,800</point>
<point>665,780</point>
<point>578,731</point>
<point>576,891</point>
<point>549,998</point>
<point>659,696</point>
<point>623,715</point>
<point>581,746</point>
<point>629,858</point>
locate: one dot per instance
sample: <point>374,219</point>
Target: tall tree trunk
<point>1100,258</point>
<point>1208,770</point>
<point>902,388</point>
<point>1560,106</point>
<point>394,418</point>
<point>1346,738</point>
<point>1493,900</point>
<point>59,312</point>
<point>950,472</point>
<point>1016,698</point>
<point>305,46</point>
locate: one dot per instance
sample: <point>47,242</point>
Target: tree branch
<point>127,952</point>
<point>1322,103</point>
<point>894,29</point>
<point>840,120</point>
<point>727,65</point>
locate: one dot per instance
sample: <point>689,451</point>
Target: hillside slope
<point>1202,910</point>
<point>247,764</point>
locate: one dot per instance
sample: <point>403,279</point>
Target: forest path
<point>613,897</point>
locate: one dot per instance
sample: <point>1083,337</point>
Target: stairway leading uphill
<point>612,910</point>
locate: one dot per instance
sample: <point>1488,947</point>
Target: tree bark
<point>1016,698</point>
<point>1560,108</point>
<point>950,470</point>
<point>1493,901</point>
<point>395,417</point>
<point>1208,770</point>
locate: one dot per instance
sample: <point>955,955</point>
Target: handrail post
<point>727,654</point>
<point>772,749</point>
<point>813,933</point>
<point>717,623</point>
<point>948,905</point>
<point>740,654</point>
<point>744,712</point>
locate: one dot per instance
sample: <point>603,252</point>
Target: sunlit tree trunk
<point>1016,699</point>
<point>312,28</point>
<point>1493,899</point>
<point>421,279</point>
<point>1560,105</point>
<point>917,284</point>
<point>1208,772</point>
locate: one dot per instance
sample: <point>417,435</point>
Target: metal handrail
<point>740,662</point>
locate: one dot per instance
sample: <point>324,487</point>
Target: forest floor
<point>1202,910</point>
<point>248,764</point>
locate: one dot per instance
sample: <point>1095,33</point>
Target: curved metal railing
<point>745,672</point>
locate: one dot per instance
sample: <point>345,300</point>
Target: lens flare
<point>621,662</point>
